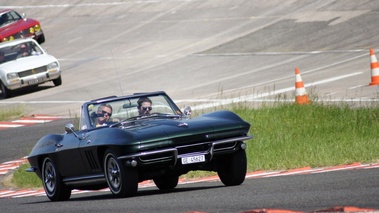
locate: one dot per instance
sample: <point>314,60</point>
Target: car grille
<point>202,147</point>
<point>32,71</point>
<point>165,156</point>
<point>225,146</point>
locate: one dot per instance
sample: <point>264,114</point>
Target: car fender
<point>46,145</point>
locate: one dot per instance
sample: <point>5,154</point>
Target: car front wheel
<point>166,182</point>
<point>232,168</point>
<point>122,181</point>
<point>4,91</point>
<point>58,81</point>
<point>54,187</point>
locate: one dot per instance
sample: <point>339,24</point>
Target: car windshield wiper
<point>143,117</point>
<point>152,115</point>
<point>164,115</point>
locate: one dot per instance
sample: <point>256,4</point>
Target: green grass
<point>288,136</point>
<point>11,113</point>
<point>292,136</point>
<point>23,179</point>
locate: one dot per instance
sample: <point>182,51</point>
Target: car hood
<point>16,26</point>
<point>27,63</point>
<point>180,132</point>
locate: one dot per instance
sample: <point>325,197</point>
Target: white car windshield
<point>20,50</point>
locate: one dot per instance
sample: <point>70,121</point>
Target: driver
<point>23,51</point>
<point>104,113</point>
<point>144,106</point>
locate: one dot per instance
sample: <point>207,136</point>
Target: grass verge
<point>288,136</point>
<point>11,113</point>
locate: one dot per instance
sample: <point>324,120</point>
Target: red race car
<point>13,26</point>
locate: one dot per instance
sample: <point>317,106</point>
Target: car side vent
<point>92,161</point>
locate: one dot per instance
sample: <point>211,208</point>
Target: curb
<point>30,120</point>
<point>334,209</point>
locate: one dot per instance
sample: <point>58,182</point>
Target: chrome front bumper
<point>173,154</point>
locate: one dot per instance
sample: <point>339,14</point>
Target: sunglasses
<point>146,108</point>
<point>106,113</point>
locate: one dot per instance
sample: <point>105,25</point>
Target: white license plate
<point>35,81</point>
<point>193,159</point>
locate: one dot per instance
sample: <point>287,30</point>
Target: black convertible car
<point>122,141</point>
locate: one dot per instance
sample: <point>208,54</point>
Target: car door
<point>89,152</point>
<point>67,156</point>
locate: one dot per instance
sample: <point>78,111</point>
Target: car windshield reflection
<point>110,112</point>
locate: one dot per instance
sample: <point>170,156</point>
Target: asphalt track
<point>201,52</point>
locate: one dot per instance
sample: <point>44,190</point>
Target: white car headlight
<point>12,75</point>
<point>53,65</point>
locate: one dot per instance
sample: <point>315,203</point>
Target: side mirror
<point>69,128</point>
<point>187,111</point>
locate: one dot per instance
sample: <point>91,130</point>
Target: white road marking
<point>10,125</point>
<point>31,121</point>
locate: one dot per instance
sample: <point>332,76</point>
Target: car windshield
<point>19,50</point>
<point>131,108</point>
<point>9,17</point>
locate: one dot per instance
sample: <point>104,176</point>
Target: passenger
<point>144,106</point>
<point>103,114</point>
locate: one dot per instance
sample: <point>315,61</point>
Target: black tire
<point>41,39</point>
<point>58,81</point>
<point>166,182</point>
<point>52,182</point>
<point>4,91</point>
<point>232,169</point>
<point>122,181</point>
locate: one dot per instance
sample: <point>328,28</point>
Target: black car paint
<point>149,141</point>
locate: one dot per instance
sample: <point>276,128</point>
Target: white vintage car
<point>24,63</point>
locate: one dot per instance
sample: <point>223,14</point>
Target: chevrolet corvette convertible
<point>159,142</point>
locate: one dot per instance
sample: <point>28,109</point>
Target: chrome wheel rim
<point>113,174</point>
<point>49,177</point>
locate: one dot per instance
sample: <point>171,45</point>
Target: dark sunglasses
<point>147,108</point>
<point>106,113</point>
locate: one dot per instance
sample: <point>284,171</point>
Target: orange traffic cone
<point>301,94</point>
<point>374,69</point>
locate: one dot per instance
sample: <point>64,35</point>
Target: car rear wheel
<point>166,182</point>
<point>54,187</point>
<point>122,181</point>
<point>58,81</point>
<point>232,169</point>
<point>4,91</point>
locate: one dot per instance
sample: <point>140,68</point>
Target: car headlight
<point>53,65</point>
<point>10,38</point>
<point>34,29</point>
<point>12,75</point>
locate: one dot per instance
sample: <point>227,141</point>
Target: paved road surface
<point>203,50</point>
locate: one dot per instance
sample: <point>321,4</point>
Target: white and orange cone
<point>374,69</point>
<point>301,93</point>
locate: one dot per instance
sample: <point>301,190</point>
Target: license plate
<point>35,81</point>
<point>193,159</point>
